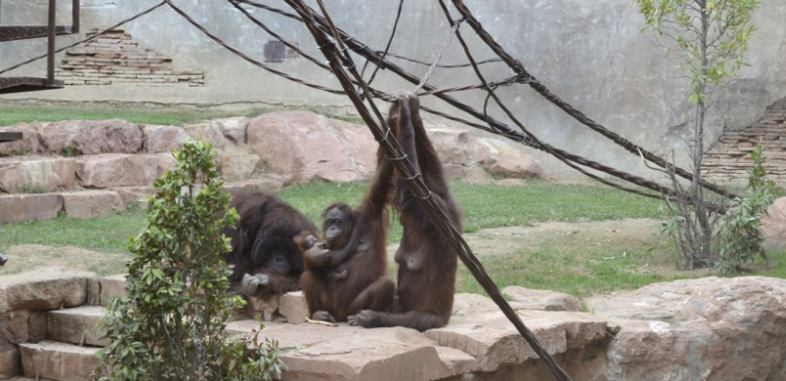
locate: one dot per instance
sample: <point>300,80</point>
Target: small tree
<point>710,37</point>
<point>740,237</point>
<point>171,325</point>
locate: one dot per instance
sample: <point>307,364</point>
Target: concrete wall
<point>590,53</point>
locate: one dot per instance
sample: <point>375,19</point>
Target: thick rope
<point>541,89</point>
<point>437,59</point>
<point>414,181</point>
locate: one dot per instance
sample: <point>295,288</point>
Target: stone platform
<point>713,329</point>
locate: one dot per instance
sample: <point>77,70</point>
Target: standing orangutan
<point>427,262</point>
<point>348,272</point>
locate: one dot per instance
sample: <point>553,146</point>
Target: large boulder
<point>29,144</point>
<point>708,329</point>
<point>461,152</point>
<point>773,225</point>
<point>43,289</point>
<point>117,170</point>
<point>162,138</point>
<point>28,207</point>
<point>87,137</point>
<point>36,174</point>
<point>233,128</point>
<point>91,203</point>
<point>308,147</point>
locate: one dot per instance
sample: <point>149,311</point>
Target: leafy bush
<point>171,325</point>
<point>740,237</point>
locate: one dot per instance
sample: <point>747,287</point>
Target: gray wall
<point>590,53</point>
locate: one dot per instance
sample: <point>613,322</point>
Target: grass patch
<point>167,117</point>
<point>106,234</point>
<point>578,264</point>
<point>491,206</point>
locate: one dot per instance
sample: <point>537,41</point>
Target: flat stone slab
<point>493,341</point>
<point>95,203</point>
<point>27,207</point>
<point>117,170</point>
<point>292,306</point>
<point>21,327</point>
<point>317,352</point>
<point>111,286</point>
<point>58,361</point>
<point>43,289</point>
<point>478,339</point>
<point>9,363</point>
<point>76,326</point>
<point>35,174</point>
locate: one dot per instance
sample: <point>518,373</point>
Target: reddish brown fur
<point>361,253</point>
<point>266,223</point>
<point>427,262</point>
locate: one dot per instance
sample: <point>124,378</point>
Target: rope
<point>415,182</point>
<point>390,41</point>
<point>576,114</point>
<point>244,56</point>
<point>437,59</point>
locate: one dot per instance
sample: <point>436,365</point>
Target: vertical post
<point>50,61</point>
<point>75,17</point>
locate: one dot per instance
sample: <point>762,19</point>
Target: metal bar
<point>10,136</point>
<point>50,61</point>
<point>75,17</point>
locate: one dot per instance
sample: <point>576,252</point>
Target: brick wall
<point>114,57</point>
<point>729,159</point>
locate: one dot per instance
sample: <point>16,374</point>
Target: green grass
<point>106,234</point>
<point>168,117</point>
<point>491,206</point>
<point>574,264</point>
<point>484,206</point>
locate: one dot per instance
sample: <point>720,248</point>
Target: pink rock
<point>501,159</point>
<point>29,145</point>
<point>773,225</point>
<point>43,289</point>
<point>86,137</point>
<point>28,207</point>
<point>699,329</point>
<point>542,299</point>
<point>34,174</point>
<point>162,138</point>
<point>308,147</point>
<point>92,203</point>
<point>117,170</point>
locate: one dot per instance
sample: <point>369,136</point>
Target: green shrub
<point>171,325</point>
<point>740,237</point>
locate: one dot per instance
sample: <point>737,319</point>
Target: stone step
<point>58,361</point>
<point>37,174</point>
<point>109,286</point>
<point>45,289</point>
<point>22,207</point>
<point>76,326</point>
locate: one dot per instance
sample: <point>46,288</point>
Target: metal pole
<point>75,17</point>
<point>50,62</point>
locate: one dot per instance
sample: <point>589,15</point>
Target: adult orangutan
<point>427,262</point>
<point>348,272</point>
<point>266,259</point>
